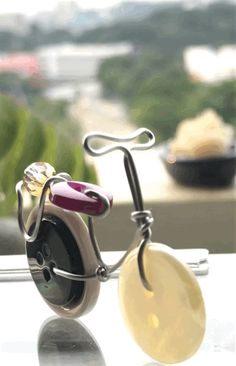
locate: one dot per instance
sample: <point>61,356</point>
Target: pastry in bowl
<point>202,151</point>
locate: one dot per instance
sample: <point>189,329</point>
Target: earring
<point>160,299</point>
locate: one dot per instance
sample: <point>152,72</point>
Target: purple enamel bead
<point>75,196</point>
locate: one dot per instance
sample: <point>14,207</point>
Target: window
<point>71,67</point>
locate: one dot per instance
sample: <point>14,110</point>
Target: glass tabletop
<point>32,335</point>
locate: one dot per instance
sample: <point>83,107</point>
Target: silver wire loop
<point>145,229</point>
<point>93,194</point>
<point>19,188</point>
<point>107,149</point>
<point>146,219</point>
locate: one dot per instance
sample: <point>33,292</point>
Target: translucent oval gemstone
<point>168,322</point>
<point>35,175</point>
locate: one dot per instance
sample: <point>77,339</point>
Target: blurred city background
<point>68,68</point>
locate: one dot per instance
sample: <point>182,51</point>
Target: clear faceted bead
<point>35,176</point>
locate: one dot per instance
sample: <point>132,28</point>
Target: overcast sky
<point>30,7</point>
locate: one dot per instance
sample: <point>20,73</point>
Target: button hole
<point>47,274</point>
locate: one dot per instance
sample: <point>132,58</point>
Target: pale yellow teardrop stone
<point>168,323</point>
<point>35,176</point>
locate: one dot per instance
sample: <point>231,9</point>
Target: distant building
<point>23,64</point>
<point>15,23</point>
<point>71,62</point>
<point>210,65</point>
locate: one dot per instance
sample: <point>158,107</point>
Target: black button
<point>55,246</point>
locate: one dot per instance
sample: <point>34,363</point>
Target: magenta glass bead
<point>72,196</point>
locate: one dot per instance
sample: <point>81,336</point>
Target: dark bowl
<point>218,171</point>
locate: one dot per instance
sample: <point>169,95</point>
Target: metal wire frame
<point>19,190</point>
<point>143,218</point>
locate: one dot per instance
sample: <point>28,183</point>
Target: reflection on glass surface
<point>67,342</point>
<point>220,336</point>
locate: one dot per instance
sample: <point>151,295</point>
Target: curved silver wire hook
<point>92,193</point>
<point>141,217</point>
<point>19,189</point>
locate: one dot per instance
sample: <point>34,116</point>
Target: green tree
<point>8,124</point>
<point>33,139</point>
<point>172,29</point>
<point>222,98</point>
<point>159,93</point>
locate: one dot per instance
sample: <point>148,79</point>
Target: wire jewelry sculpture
<point>160,298</point>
